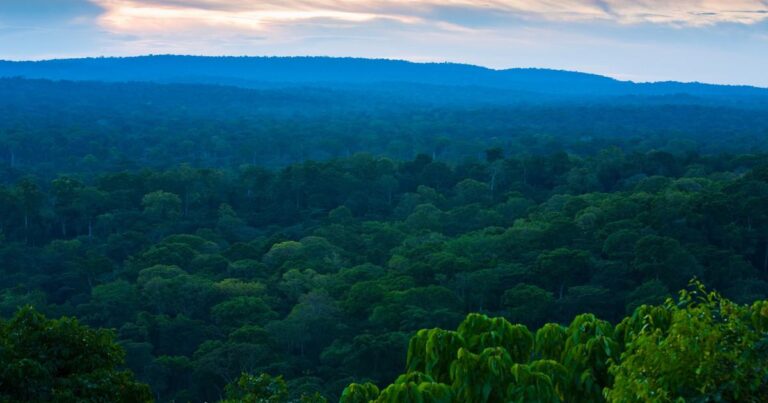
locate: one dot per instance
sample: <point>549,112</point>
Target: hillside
<point>259,72</point>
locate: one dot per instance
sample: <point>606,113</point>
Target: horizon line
<point>386,59</point>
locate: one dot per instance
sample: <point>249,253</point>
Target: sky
<point>716,41</point>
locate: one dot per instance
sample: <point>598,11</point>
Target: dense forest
<point>299,242</point>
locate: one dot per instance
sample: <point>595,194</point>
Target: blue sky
<point>641,40</point>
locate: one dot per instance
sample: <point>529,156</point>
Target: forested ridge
<point>279,234</point>
<point>346,72</point>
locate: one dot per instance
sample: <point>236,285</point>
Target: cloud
<point>704,40</point>
<point>413,29</point>
<point>271,15</point>
<point>169,15</point>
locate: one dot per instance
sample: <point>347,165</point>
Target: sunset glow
<point>134,14</point>
<point>644,40</point>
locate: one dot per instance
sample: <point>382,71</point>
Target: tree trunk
<point>26,228</point>
<point>186,202</point>
<point>525,175</point>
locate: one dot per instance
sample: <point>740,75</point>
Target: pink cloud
<point>136,16</point>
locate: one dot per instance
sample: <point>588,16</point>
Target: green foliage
<point>589,349</point>
<point>486,360</point>
<point>528,303</point>
<point>291,253</point>
<point>701,347</point>
<point>256,389</point>
<point>359,393</point>
<point>550,342</point>
<point>415,388</point>
<point>62,361</point>
<point>161,205</point>
<point>241,311</point>
<point>480,332</point>
<point>530,385</point>
<point>706,348</point>
<point>432,351</point>
<point>264,388</point>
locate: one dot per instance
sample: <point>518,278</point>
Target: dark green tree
<point>63,361</point>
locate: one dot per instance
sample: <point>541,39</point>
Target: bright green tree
<point>702,347</point>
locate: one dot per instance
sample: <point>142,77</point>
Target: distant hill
<point>261,72</point>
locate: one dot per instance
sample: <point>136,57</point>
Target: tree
<point>65,190</point>
<point>263,389</point>
<point>257,389</point>
<point>527,303</point>
<point>700,347</point>
<point>706,348</point>
<point>240,311</point>
<point>495,159</point>
<point>31,199</point>
<point>113,304</point>
<point>161,205</point>
<point>563,267</point>
<point>472,191</point>
<point>663,258</point>
<point>170,290</point>
<point>61,360</point>
<point>425,217</point>
<point>359,393</point>
<point>90,204</point>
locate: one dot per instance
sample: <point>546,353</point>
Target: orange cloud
<point>146,15</point>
